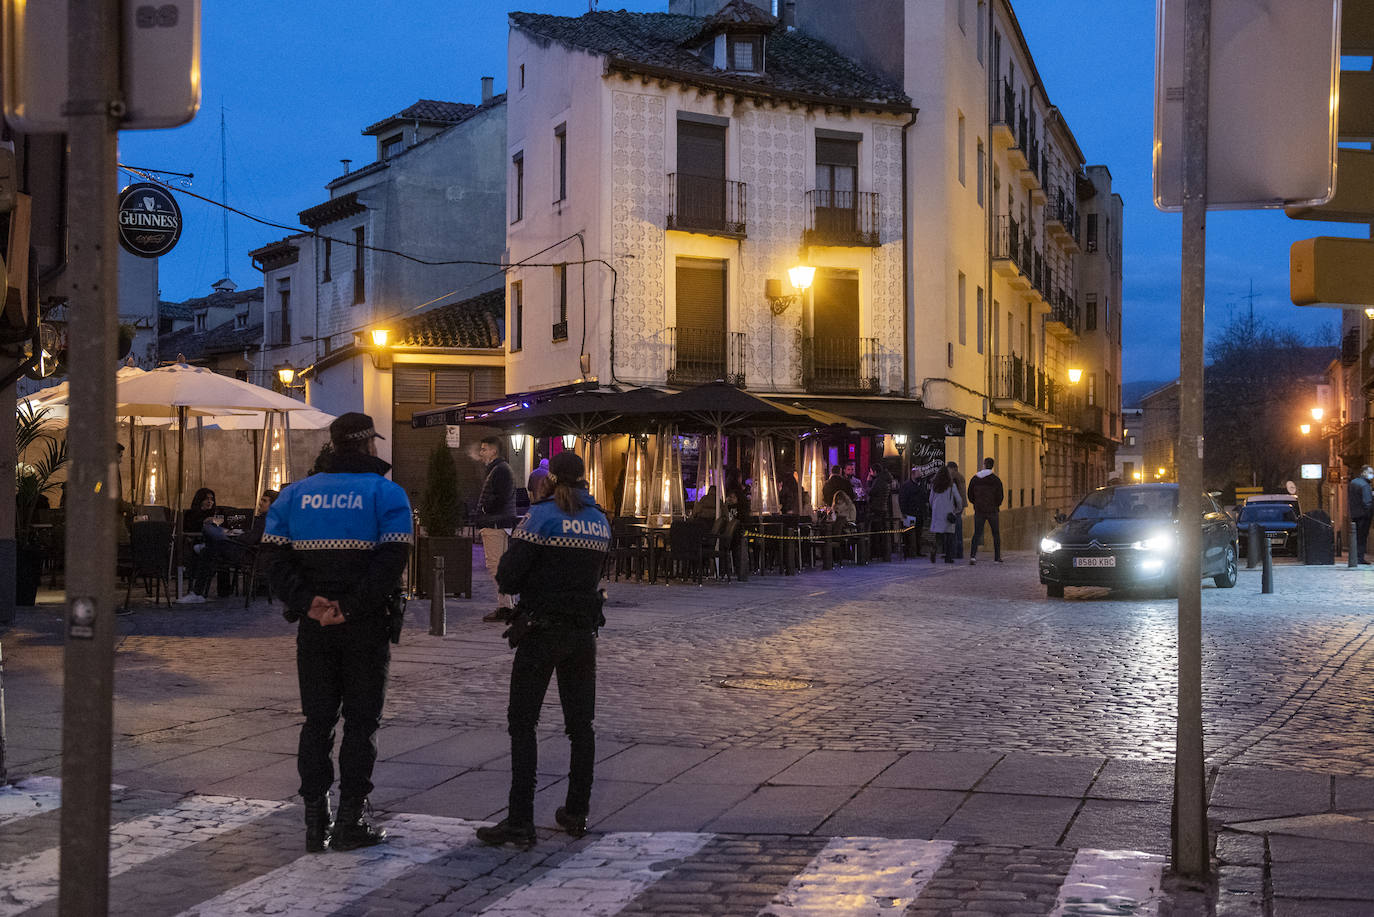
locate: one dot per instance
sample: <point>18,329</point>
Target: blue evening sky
<point>298,86</point>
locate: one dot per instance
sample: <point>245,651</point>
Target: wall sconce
<point>800,278</point>
<point>381,356</point>
<point>1075,374</point>
<point>899,439</point>
<point>569,441</point>
<point>1317,414</point>
<point>517,442</point>
<point>1369,313</point>
<point>287,375</point>
<point>1305,428</point>
<point>379,337</point>
<point>1137,475</point>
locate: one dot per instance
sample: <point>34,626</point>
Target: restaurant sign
<point>149,220</point>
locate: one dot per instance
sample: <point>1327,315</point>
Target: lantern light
<point>517,442</point>
<point>801,276</point>
<point>287,375</point>
<point>1305,428</point>
<point>379,337</point>
<point>569,441</point>
<point>1317,413</point>
<point>1074,375</point>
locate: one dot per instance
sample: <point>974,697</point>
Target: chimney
<point>486,88</point>
<point>347,164</point>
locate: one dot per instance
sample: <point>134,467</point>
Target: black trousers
<point>342,669</point>
<point>571,655</point>
<point>1361,536</point>
<point>992,521</point>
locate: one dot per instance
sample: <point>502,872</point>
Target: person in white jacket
<point>946,505</point>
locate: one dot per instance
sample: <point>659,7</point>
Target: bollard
<point>3,775</point>
<point>742,559</point>
<point>437,624</point>
<point>1352,557</point>
<point>1252,547</point>
<point>1267,577</point>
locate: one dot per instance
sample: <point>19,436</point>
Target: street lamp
<point>1317,414</point>
<point>379,336</point>
<point>287,375</point>
<point>517,442</point>
<point>1305,428</point>
<point>569,441</point>
<point>800,276</point>
<point>1075,374</point>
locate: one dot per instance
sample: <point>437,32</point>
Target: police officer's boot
<point>317,824</point>
<point>351,828</point>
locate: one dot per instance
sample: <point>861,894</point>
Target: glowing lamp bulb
<point>287,375</point>
<point>801,276</point>
<point>1074,375</point>
<point>379,336</point>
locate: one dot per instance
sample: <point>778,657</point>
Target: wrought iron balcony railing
<point>840,364</point>
<point>716,206</point>
<point>842,218</point>
<point>1020,380</point>
<point>1009,242</point>
<point>699,355</point>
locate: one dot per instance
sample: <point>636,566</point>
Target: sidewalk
<point>206,706</point>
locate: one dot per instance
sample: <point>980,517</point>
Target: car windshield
<point>1267,512</point>
<point>1128,503</point>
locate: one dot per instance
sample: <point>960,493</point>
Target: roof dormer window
<point>745,53</point>
<point>392,145</point>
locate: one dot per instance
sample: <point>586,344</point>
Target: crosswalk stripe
<point>601,879</point>
<point>1123,883</point>
<point>32,880</point>
<point>325,883</point>
<point>862,877</point>
<point>30,796</point>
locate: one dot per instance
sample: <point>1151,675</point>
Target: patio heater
<point>665,494</point>
<point>814,470</point>
<point>589,448</point>
<point>634,500</point>
<point>709,472</point>
<point>763,497</point>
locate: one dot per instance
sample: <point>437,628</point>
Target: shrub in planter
<point>33,480</point>
<point>441,514</point>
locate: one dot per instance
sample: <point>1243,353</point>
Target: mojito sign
<point>149,220</point>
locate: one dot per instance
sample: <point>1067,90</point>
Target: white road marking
<point>30,796</point>
<point>1111,883</point>
<point>861,876</point>
<point>601,879</point>
<point>32,880</point>
<point>323,883</point>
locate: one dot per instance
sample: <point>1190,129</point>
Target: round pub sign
<point>149,220</point>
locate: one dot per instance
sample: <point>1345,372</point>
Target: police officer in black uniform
<point>339,541</point>
<point>554,564</point>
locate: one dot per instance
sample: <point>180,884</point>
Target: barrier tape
<point>855,534</point>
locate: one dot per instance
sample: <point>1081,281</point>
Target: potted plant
<point>33,481</point>
<point>441,513</point>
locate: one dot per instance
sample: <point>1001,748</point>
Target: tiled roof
<point>332,210</point>
<point>665,44</point>
<point>217,300</point>
<point>739,13</point>
<point>473,323</point>
<point>198,345</point>
<point>431,111</point>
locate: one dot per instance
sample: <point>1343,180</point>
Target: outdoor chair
<point>686,556</point>
<point>629,551</point>
<point>150,546</point>
<point>717,544</point>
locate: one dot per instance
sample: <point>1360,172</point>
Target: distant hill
<point>1132,392</point>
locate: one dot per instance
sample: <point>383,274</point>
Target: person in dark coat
<point>495,516</point>
<point>1361,501</point>
<point>196,521</point>
<point>956,478</point>
<point>880,507</point>
<point>554,564</point>
<point>836,481</point>
<point>985,495</point>
<point>913,497</point>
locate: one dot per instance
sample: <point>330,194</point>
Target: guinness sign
<point>149,220</point>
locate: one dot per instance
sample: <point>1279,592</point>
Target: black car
<point>1278,522</point>
<point>1127,536</point>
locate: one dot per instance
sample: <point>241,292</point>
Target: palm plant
<point>33,480</point>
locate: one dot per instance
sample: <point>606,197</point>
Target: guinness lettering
<point>149,220</point>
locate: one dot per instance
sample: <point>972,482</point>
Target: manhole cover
<point>764,683</point>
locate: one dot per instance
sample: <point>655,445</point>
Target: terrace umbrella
<point>581,412</point>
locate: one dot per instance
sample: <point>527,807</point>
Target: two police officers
<point>339,542</point>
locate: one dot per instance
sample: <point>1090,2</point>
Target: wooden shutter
<point>701,149</point>
<point>701,294</point>
<point>410,385</point>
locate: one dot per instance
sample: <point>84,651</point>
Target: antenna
<point>1251,298</point>
<point>224,187</point>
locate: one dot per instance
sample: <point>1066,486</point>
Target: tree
<point>439,511</point>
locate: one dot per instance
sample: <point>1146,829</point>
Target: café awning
<point>888,415</point>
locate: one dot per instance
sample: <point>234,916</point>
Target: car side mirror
<point>1060,518</point>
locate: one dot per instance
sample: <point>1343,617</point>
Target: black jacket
<point>554,563</point>
<point>913,497</point>
<point>496,503</point>
<point>373,543</point>
<point>835,483</point>
<point>985,493</point>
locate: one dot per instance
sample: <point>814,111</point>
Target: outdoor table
<point>656,536</point>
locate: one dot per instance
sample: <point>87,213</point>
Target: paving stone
<point>931,770</point>
<point>893,812</point>
<point>782,810</point>
<point>1041,775</point>
<point>1007,819</point>
<point>742,766</point>
<point>834,768</point>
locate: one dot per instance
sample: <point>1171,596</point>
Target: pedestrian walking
<point>946,504</point>
<point>554,564</point>
<point>912,499</point>
<point>957,479</point>
<point>337,544</point>
<point>495,516</point>
<point>985,495</point>
<point>1361,501</point>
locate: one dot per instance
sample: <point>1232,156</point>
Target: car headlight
<point>1049,545</point>
<point>1164,541</point>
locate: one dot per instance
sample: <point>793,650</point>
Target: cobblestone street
<point>951,705</point>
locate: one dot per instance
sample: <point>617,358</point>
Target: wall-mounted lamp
<point>1369,313</point>
<point>800,277</point>
<point>1075,374</point>
<point>517,442</point>
<point>381,356</point>
<point>287,375</point>
<point>569,441</point>
<point>899,439</point>
<point>1317,414</point>
<point>379,336</point>
<point>1305,428</point>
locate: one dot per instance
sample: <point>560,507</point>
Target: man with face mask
<point>1361,509</point>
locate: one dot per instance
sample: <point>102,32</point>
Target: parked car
<point>1127,536</point>
<point>1285,499</point>
<point>1278,521</point>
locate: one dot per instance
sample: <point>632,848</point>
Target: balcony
<point>1350,443</point>
<point>1092,421</point>
<point>714,206</point>
<point>1012,253</point>
<point>843,218</point>
<point>1004,116</point>
<point>1064,319</point>
<point>1061,219</point>
<point>1022,389</point>
<point>700,355</point>
<point>838,365</point>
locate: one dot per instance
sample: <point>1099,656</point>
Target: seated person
<point>241,548</point>
<point>704,510</point>
<point>198,519</point>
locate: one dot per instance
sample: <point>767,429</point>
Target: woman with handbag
<point>946,504</point>
<point>554,564</point>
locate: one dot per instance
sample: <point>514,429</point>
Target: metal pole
<point>1252,546</point>
<point>1267,574</point>
<point>1352,549</point>
<point>93,110</point>
<point>438,626</point>
<point>1189,835</point>
<point>9,547</point>
<point>4,775</point>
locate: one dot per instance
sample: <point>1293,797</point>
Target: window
<point>280,332</point>
<point>961,146</point>
<point>1090,312</point>
<point>978,458</point>
<point>359,277</point>
<point>200,321</point>
<point>391,146</point>
<point>240,322</point>
<point>560,139</point>
<point>518,187</point>
<point>517,316</point>
<point>979,301</point>
<point>1092,232</point>
<point>560,292</point>
<point>963,317</point>
<point>982,167</point>
<point>326,258</point>
<point>745,54</point>
<point>1092,388</point>
<point>996,328</point>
